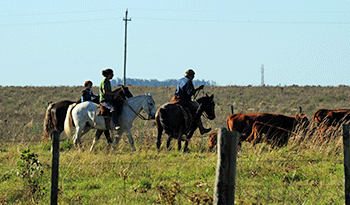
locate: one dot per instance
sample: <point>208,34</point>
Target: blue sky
<point>54,43</point>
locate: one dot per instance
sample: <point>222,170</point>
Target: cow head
<point>302,121</point>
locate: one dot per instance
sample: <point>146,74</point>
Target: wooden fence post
<point>346,148</point>
<point>224,190</point>
<point>55,163</point>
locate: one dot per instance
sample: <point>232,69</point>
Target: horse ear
<point>212,96</point>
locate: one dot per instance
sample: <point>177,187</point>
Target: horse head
<point>127,92</point>
<point>150,106</point>
<point>207,105</point>
<point>123,91</point>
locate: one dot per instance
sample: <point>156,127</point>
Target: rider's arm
<point>112,94</point>
<point>197,89</point>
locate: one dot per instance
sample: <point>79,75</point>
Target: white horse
<point>85,118</point>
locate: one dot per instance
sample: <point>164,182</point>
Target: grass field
<point>303,172</point>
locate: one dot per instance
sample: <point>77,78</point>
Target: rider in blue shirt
<point>182,96</point>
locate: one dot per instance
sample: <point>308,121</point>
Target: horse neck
<point>201,101</point>
<point>135,103</point>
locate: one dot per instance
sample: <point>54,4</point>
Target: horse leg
<point>159,137</point>
<point>108,136</point>
<point>131,140</point>
<point>168,142</point>
<point>97,137</point>
<point>118,137</point>
<point>189,136</point>
<point>77,135</point>
<point>179,142</point>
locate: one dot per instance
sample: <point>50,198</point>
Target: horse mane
<point>204,97</point>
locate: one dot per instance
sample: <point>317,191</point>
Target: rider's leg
<point>194,106</point>
<point>115,120</point>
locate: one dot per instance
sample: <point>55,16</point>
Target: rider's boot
<point>115,120</point>
<point>201,128</point>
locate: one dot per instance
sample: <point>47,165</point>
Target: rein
<point>195,96</point>
<point>204,114</point>
<point>137,114</point>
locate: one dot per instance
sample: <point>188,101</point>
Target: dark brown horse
<point>174,120</point>
<point>56,114</point>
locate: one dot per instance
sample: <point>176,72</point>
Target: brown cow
<point>243,123</point>
<point>213,137</point>
<point>277,129</point>
<point>329,117</point>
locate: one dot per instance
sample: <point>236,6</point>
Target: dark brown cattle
<point>243,123</point>
<point>329,117</point>
<point>277,129</point>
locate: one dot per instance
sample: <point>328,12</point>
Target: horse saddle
<point>106,114</point>
<point>104,111</point>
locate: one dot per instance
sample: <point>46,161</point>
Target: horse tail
<point>163,118</point>
<point>68,122</point>
<point>48,124</point>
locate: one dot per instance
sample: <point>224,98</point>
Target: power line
<point>58,13</point>
<point>177,10</point>
<point>172,19</point>
<point>57,22</point>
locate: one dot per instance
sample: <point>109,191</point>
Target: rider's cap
<point>189,72</point>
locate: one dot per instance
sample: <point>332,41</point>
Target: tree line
<point>154,82</point>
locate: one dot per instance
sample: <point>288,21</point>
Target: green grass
<point>290,175</point>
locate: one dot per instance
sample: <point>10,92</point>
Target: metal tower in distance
<point>262,75</point>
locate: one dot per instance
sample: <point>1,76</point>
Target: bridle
<point>204,114</point>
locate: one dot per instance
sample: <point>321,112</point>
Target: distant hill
<point>154,82</point>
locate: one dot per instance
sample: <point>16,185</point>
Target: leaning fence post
<point>55,163</point>
<point>224,190</point>
<point>346,148</point>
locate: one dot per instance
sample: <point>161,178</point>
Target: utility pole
<point>126,25</point>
